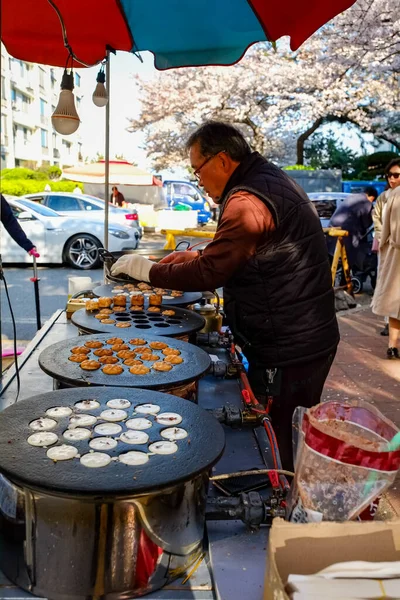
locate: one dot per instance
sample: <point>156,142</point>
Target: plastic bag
<point>343,462</point>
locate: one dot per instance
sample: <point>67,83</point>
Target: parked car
<point>186,193</point>
<point>326,204</point>
<point>63,239</point>
<point>70,205</point>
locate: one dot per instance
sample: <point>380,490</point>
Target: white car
<point>77,205</point>
<point>61,239</point>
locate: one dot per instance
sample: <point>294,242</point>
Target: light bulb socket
<point>101,76</point>
<point>67,82</point>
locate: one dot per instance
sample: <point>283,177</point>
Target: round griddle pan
<point>183,322</point>
<point>185,300</point>
<point>29,466</point>
<point>54,361</point>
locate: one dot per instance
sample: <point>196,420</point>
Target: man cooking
<point>269,254</point>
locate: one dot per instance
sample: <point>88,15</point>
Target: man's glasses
<point>393,175</point>
<point>196,173</point>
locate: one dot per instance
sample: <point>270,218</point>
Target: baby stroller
<point>364,266</point>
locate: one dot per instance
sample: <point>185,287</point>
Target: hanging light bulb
<point>65,119</point>
<point>100,96</point>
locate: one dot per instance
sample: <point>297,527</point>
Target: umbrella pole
<point>35,279</point>
<point>107,152</point>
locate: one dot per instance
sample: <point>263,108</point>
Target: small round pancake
<point>107,321</point>
<point>108,360</point>
<point>63,452</point>
<point>87,404</point>
<point>169,418</point>
<point>118,347</point>
<point>108,429</point>
<point>57,412</point>
<point>124,354</point>
<point>103,443</point>
<point>137,342</point>
<point>149,357</point>
<point>136,307</point>
<point>123,325</point>
<point>139,370</point>
<point>174,433</point>
<point>161,366</point>
<point>119,300</point>
<point>168,313</point>
<point>134,458</point>
<point>142,349</point>
<point>130,362</point>
<point>154,309</point>
<point>95,459</point>
<point>90,365</point>
<point>114,340</point>
<point>134,437</point>
<point>113,414</point>
<point>105,302</point>
<point>176,294</point>
<point>78,358</point>
<point>163,447</point>
<point>139,424</point>
<point>103,352</point>
<point>80,350</point>
<point>106,311</point>
<point>171,351</point>
<point>158,345</point>
<point>119,403</point>
<point>81,421</point>
<point>94,344</point>
<point>77,435</point>
<point>173,360</point>
<point>100,316</point>
<point>43,439</point>
<point>147,409</point>
<point>43,424</point>
<point>112,369</point>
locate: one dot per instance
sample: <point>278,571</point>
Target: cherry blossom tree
<point>348,72</point>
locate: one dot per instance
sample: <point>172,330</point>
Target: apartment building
<point>29,95</point>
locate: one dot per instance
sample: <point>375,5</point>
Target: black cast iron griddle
<point>29,465</point>
<point>54,361</point>
<point>183,322</point>
<point>184,300</point>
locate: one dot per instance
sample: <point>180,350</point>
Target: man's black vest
<point>280,306</point>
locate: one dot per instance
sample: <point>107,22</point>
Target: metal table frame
<point>235,559</point>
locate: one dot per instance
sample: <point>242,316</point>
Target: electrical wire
<point>253,472</point>
<point>14,335</point>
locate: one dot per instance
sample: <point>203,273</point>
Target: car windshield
<point>98,204</point>
<point>39,208</point>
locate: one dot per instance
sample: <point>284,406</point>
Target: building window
<point>26,135</point>
<point>77,80</point>
<point>25,102</point>
<point>4,129</point>
<point>13,95</point>
<point>67,147</point>
<point>53,78</point>
<point>43,134</point>
<point>78,103</point>
<point>42,107</point>
<point>42,75</point>
<point>3,88</point>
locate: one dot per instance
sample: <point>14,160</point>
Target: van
<point>186,194</point>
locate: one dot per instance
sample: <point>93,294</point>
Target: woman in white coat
<point>386,299</point>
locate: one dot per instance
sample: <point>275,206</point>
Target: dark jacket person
<point>14,228</point>
<point>269,254</point>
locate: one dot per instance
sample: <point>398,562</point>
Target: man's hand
<point>34,252</point>
<point>180,257</point>
<point>135,266</point>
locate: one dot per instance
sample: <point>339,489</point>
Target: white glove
<point>133,265</point>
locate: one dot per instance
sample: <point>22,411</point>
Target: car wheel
<point>82,251</point>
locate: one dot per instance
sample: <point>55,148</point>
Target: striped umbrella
<point>178,32</point>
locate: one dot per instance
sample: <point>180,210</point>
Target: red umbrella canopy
<point>178,32</point>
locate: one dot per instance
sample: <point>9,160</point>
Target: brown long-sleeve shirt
<point>244,224</point>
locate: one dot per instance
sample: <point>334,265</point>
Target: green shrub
<point>22,173</point>
<point>53,172</point>
<point>20,187</point>
<point>298,168</point>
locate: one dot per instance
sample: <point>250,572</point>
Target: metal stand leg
<point>35,279</point>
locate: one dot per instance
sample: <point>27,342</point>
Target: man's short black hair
<point>217,136</point>
<point>371,191</point>
<point>393,163</point>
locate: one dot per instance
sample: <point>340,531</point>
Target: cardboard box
<point>304,549</point>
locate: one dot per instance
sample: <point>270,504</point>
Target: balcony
<point>44,120</point>
<point>56,153</point>
<point>26,119</point>
<point>23,84</point>
<point>25,150</point>
<point>45,150</point>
